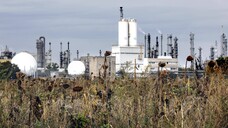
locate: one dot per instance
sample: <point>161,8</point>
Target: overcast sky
<point>91,25</point>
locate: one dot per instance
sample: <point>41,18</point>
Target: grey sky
<point>92,25</point>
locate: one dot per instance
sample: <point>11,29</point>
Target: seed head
<point>77,89</point>
<point>161,64</point>
<point>189,58</point>
<point>211,64</point>
<point>107,53</point>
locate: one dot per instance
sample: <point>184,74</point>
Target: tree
<point>52,67</point>
<point>8,70</point>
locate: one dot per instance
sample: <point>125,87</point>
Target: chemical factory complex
<point>126,56</point>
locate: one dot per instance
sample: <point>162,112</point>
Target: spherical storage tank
<point>76,68</point>
<point>25,62</point>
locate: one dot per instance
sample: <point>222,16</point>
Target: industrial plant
<point>128,54</point>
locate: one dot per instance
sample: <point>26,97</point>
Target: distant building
<point>151,64</point>
<point>94,64</point>
<point>6,54</point>
<point>128,53</point>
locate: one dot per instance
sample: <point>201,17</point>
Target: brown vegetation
<point>143,102</point>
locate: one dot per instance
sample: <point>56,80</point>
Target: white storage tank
<point>76,68</point>
<point>133,32</point>
<point>25,62</point>
<point>123,32</point>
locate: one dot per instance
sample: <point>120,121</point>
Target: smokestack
<point>100,52</point>
<point>42,38</point>
<point>149,49</point>
<point>157,46</point>
<point>200,56</point>
<point>77,55</point>
<point>212,53</point>
<point>175,47</point>
<point>192,49</point>
<point>61,56</point>
<point>68,53</point>
<point>161,43</point>
<point>68,46</point>
<point>121,13</point>
<point>169,45</point>
<point>145,46</point>
<point>49,46</point>
<point>153,52</point>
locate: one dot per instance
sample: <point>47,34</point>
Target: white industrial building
<point>151,64</point>
<point>129,53</point>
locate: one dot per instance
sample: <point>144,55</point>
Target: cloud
<point>92,25</point>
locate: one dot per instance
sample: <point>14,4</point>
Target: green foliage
<point>79,121</point>
<point>52,67</point>
<point>8,70</point>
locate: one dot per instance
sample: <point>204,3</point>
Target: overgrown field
<point>147,102</point>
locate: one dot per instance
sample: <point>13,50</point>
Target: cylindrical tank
<point>123,33</point>
<point>39,46</point>
<point>133,32</point>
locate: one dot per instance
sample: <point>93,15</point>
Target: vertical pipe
<point>50,53</point>
<point>161,44</point>
<point>192,52</point>
<point>68,53</point>
<point>100,52</point>
<point>175,47</point>
<point>157,47</point>
<point>121,13</point>
<point>61,56</point>
<point>149,49</point>
<point>77,55</point>
<point>145,46</point>
<point>42,38</point>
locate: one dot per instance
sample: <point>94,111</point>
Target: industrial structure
<point>65,56</point>
<point>223,45</point>
<point>200,56</point>
<point>130,55</point>
<point>43,58</point>
<point>127,50</point>
<point>6,54</point>
<point>40,57</point>
<point>192,50</point>
<point>93,65</point>
<point>170,58</point>
<point>212,53</point>
<point>48,56</point>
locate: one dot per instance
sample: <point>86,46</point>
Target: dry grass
<point>121,103</point>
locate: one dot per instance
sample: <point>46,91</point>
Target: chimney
<point>149,49</point>
<point>161,44</point>
<point>145,46</point>
<point>121,13</point>
<point>77,55</point>
<point>156,50</point>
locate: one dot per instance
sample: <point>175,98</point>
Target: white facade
<point>126,56</point>
<point>132,32</point>
<point>123,33</point>
<point>151,64</point>
<point>127,32</point>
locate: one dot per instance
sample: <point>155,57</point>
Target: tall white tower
<point>132,32</point>
<point>127,50</point>
<point>123,32</point>
<point>223,45</point>
<point>192,49</point>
